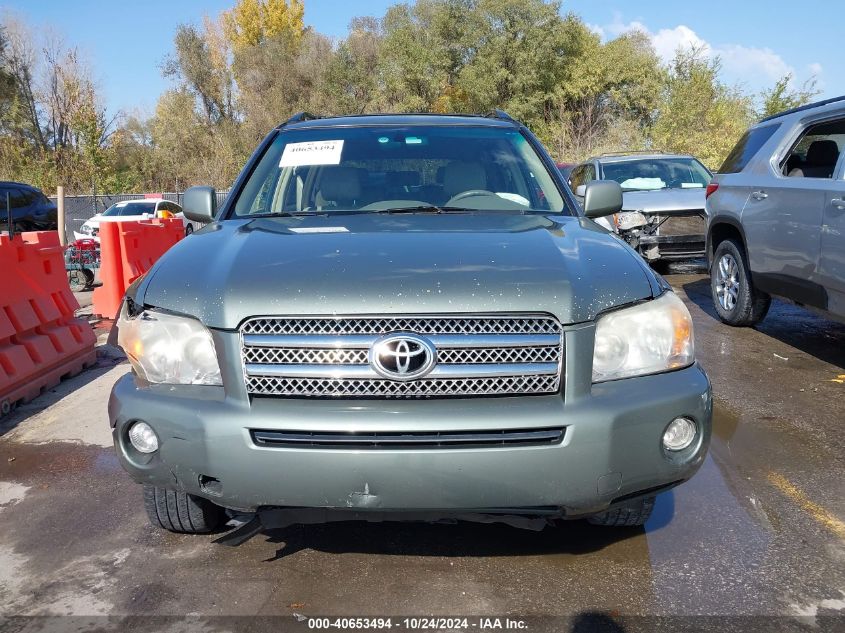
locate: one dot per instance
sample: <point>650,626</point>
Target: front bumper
<point>671,247</point>
<point>611,448</point>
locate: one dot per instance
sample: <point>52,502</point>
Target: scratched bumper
<point>611,447</point>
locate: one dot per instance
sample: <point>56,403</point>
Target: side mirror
<point>579,190</point>
<point>200,204</point>
<point>601,198</point>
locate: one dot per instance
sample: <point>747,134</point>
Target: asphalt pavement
<point>759,531</point>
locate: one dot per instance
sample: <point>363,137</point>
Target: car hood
<point>664,201</point>
<point>397,264</point>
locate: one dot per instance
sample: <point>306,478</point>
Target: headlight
<point>644,339</point>
<point>164,348</point>
<point>628,220</point>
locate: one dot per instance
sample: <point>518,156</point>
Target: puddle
<point>36,462</point>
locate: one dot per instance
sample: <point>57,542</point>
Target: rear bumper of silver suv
<point>577,454</point>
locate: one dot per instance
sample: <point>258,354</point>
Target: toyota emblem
<point>402,356</point>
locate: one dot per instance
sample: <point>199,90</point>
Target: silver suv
<point>663,215</point>
<point>776,216</point>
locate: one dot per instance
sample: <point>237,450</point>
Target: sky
<point>125,42</point>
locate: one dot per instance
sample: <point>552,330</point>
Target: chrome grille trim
<point>365,341</point>
<point>495,324</point>
<point>329,357</point>
<point>343,372</point>
<point>407,440</point>
<point>383,389</point>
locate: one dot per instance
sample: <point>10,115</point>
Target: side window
<point>817,151</point>
<point>18,198</point>
<point>28,197</point>
<point>746,148</point>
<point>589,173</point>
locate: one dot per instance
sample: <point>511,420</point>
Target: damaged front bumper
<point>665,237</point>
<point>610,449</point>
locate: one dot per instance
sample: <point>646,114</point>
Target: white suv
<point>132,210</point>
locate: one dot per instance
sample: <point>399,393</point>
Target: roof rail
<point>300,116</point>
<point>633,151</point>
<point>499,114</point>
<point>807,106</point>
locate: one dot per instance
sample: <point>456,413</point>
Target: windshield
<point>131,208</point>
<point>658,173</point>
<point>389,168</point>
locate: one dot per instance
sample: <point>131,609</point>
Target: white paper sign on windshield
<point>311,153</point>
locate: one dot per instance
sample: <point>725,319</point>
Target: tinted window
<point>17,198</point>
<point>138,208</point>
<point>817,151</point>
<point>746,148</point>
<point>374,168</point>
<point>131,208</point>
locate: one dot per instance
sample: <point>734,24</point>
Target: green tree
<point>782,96</point>
<point>201,68</point>
<point>352,73</point>
<point>699,114</point>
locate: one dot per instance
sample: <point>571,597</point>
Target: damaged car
<point>663,214</point>
<point>405,317</point>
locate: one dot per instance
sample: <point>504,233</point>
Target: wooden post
<point>60,204</point>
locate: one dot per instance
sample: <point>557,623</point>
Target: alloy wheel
<point>727,283</point>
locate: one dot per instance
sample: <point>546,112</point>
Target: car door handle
<point>759,195</point>
<point>839,203</point>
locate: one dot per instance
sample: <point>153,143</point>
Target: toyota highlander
<point>405,316</point>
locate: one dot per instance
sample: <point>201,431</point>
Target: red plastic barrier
<point>127,251</point>
<point>40,340</point>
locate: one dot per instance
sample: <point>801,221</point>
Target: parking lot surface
<point>759,531</point>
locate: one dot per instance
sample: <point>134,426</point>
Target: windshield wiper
<point>428,208</point>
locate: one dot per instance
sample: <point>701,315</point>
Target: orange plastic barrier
<point>127,251</point>
<point>40,340</point>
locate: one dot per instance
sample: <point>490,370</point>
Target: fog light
<point>143,437</point>
<point>679,434</point>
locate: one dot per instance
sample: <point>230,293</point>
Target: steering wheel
<point>472,193</point>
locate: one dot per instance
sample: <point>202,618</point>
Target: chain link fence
<point>81,208</point>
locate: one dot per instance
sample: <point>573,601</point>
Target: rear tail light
<point>710,189</point>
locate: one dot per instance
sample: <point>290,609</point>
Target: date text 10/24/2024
<point>419,623</point>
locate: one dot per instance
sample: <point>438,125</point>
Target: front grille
<point>420,325</point>
<point>329,357</point>
<point>683,225</point>
<point>408,440</point>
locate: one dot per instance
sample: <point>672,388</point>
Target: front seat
<point>820,162</point>
<point>340,188</point>
<point>461,176</point>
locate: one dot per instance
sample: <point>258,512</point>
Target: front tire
<point>181,512</point>
<point>631,514</point>
<point>735,298</point>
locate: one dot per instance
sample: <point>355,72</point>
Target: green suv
<point>405,316</point>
